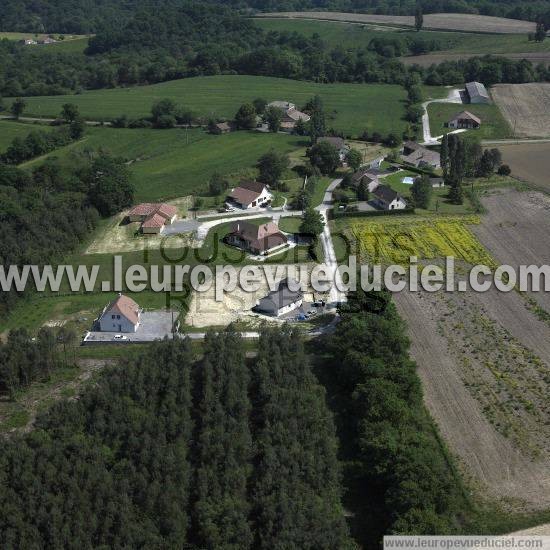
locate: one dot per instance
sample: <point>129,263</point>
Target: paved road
<point>48,120</point>
<point>452,97</point>
<point>335,295</point>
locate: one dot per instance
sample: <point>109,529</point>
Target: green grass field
<point>350,108</point>
<point>493,125</point>
<point>70,44</point>
<point>10,130</point>
<point>349,35</point>
<point>173,163</point>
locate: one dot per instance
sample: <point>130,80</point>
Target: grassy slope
<point>350,107</point>
<point>493,125</point>
<point>173,163</point>
<point>10,130</point>
<point>353,35</point>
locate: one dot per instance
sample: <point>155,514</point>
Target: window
<point>113,316</point>
<point>118,316</point>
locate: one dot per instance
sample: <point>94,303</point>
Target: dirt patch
<point>525,107</point>
<point>483,385</point>
<point>539,530</point>
<point>119,237</point>
<point>205,311</point>
<point>436,58</point>
<point>446,21</point>
<point>529,162</point>
<point>516,231</point>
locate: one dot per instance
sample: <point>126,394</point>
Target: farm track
<point>435,21</point>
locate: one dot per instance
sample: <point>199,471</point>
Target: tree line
<point>175,451</point>
<point>46,213</point>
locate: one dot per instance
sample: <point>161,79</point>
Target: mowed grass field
<point>70,44</point>
<point>493,124</point>
<point>10,130</point>
<point>173,163</point>
<point>355,35</point>
<point>440,21</point>
<point>350,108</point>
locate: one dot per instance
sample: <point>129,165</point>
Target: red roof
<point>261,237</point>
<point>156,220</point>
<point>143,209</point>
<point>124,306</point>
<point>167,211</point>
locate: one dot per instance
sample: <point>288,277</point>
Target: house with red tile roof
<point>249,194</point>
<point>121,315</point>
<point>153,216</point>
<point>256,239</point>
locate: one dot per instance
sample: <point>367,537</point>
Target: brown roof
<point>247,192</point>
<point>124,306</point>
<point>143,209</point>
<point>156,220</point>
<point>167,211</point>
<point>466,115</point>
<point>294,114</point>
<point>337,142</point>
<point>262,237</point>
<point>252,185</point>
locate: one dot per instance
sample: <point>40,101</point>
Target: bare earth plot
<point>516,230</point>
<point>429,59</point>
<point>525,106</point>
<point>447,21</point>
<point>529,162</point>
<point>486,389</point>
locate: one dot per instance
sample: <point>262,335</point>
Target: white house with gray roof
<point>285,299</point>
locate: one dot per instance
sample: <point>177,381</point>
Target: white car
<point>120,337</point>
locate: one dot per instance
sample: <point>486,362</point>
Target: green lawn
<point>348,35</point>
<point>10,130</point>
<point>350,108</point>
<point>493,125</point>
<point>173,163</point>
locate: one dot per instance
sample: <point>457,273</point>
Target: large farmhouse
<point>364,175</point>
<point>249,194</point>
<point>256,239</point>
<point>420,156</point>
<point>388,199</point>
<point>281,301</point>
<point>290,114</point>
<point>464,120</point>
<point>153,216</point>
<point>477,93</point>
<point>121,315</point>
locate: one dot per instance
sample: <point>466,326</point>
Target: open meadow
<point>10,130</point>
<point>167,164</point>
<point>350,108</point>
<point>493,124</point>
<point>525,106</point>
<point>440,21</point>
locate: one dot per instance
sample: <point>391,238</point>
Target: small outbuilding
<point>338,143</point>
<point>477,93</point>
<point>281,301</point>
<point>291,115</point>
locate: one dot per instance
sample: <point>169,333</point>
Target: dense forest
<point>171,451</point>
<point>46,213</point>
<point>80,17</point>
<point>399,477</point>
<point>156,43</point>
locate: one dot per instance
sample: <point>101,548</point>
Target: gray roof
<point>280,298</point>
<point>477,89</point>
<point>386,193</point>
<point>337,142</point>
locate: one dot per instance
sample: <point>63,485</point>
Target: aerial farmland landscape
<point>275,275</point>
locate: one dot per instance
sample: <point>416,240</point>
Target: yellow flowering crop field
<point>394,241</point>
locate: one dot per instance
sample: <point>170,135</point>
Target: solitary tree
<point>325,157</point>
<point>540,33</point>
<point>70,112</point>
<point>353,159</point>
<point>273,117</point>
<point>422,191</point>
<point>259,105</point>
<point>245,119</point>
<point>272,166</point>
<point>17,107</point>
<point>312,222</point>
<point>418,17</point>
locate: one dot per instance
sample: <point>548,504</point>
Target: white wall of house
<point>397,204</point>
<point>114,322</point>
<point>264,196</point>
